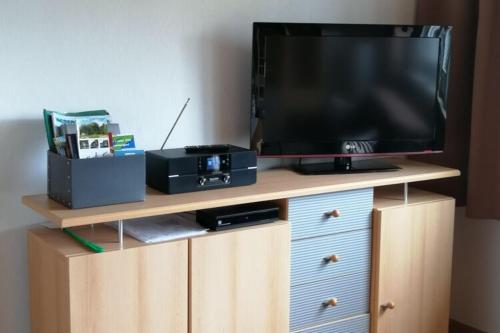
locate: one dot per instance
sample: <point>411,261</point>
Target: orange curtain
<point>483,197</point>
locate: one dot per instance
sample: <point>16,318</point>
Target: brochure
<point>92,137</point>
<point>54,120</point>
<point>123,141</point>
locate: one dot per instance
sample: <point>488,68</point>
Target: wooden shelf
<point>106,237</point>
<point>388,197</point>
<point>66,246</point>
<point>271,185</point>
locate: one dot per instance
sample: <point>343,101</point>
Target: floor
<point>456,327</point>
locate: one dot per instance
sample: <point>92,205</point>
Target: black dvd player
<point>238,216</point>
<point>193,169</point>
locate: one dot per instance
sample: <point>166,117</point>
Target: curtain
<point>483,197</point>
<point>472,142</point>
<point>462,15</point>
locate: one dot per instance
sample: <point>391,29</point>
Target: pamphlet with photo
<point>93,137</point>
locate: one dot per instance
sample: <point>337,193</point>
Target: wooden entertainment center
<point>349,254</point>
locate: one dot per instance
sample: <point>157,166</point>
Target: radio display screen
<point>213,163</point>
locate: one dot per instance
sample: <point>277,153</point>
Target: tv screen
<point>347,90</point>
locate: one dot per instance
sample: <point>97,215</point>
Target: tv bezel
<point>401,147</point>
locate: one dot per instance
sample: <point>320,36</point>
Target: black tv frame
<point>346,149</point>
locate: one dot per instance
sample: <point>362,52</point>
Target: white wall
<point>476,273</point>
<point>140,60</point>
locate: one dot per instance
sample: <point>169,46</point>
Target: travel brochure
<point>92,137</point>
<point>87,134</point>
<point>123,141</point>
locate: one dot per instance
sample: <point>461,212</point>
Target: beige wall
<point>140,60</point>
<point>476,273</point>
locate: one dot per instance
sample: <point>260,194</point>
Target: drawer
<point>309,215</point>
<point>351,250</point>
<point>358,324</point>
<point>307,301</point>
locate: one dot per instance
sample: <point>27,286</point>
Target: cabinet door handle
<point>388,306</point>
<point>332,258</point>
<point>330,302</point>
<point>334,213</point>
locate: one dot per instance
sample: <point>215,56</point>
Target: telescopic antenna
<point>175,123</point>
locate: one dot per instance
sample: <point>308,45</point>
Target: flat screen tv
<point>344,90</point>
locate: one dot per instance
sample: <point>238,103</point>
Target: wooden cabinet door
<point>239,280</point>
<point>412,257</point>
<point>143,289</point>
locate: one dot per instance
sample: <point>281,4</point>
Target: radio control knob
<point>202,181</point>
<point>226,178</point>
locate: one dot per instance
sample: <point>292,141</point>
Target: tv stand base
<point>345,165</point>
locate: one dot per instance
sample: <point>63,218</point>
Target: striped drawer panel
<point>308,215</point>
<point>307,300</point>
<point>358,324</point>
<point>353,250</point>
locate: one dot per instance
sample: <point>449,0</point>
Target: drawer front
<point>351,250</point>
<point>307,306</point>
<point>309,217</point>
<point>358,324</point>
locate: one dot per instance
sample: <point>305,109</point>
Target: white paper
<point>161,228</point>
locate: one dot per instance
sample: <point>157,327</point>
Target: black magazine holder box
<point>80,183</point>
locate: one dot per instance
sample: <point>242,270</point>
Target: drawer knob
<point>333,258</point>
<point>331,302</point>
<point>388,306</point>
<point>334,213</point>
